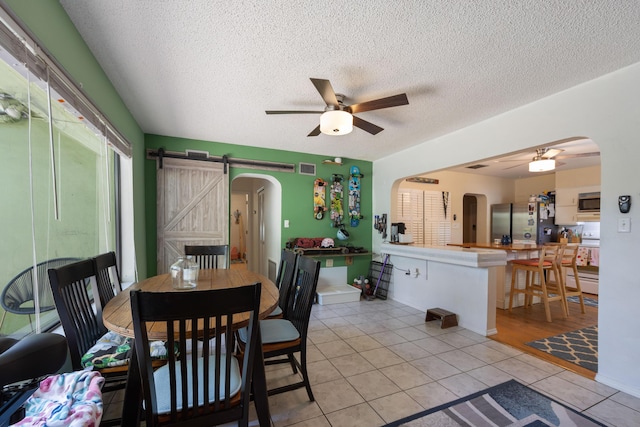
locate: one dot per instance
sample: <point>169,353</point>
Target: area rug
<point>507,404</point>
<point>587,301</point>
<point>579,347</point>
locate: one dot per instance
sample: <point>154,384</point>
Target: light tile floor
<point>373,362</point>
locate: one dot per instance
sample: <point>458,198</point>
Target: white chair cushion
<point>273,331</point>
<point>276,312</point>
<point>161,377</point>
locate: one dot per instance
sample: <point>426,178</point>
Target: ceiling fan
<point>545,159</point>
<point>338,118</point>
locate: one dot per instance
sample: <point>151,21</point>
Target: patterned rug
<point>587,301</point>
<point>579,347</point>
<point>507,404</point>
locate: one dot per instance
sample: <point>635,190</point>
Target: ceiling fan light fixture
<point>336,122</point>
<point>542,165</point>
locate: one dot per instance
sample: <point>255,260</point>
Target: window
<point>58,168</point>
<point>424,216</point>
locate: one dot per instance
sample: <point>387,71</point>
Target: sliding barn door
<point>193,207</point>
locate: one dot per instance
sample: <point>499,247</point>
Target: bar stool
<point>538,280</point>
<point>569,261</point>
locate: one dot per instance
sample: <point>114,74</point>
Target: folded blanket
<point>71,400</point>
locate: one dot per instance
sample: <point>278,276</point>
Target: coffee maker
<point>397,228</point>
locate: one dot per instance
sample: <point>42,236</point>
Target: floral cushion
<point>113,349</point>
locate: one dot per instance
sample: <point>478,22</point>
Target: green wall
<point>297,194</point>
<point>56,34</point>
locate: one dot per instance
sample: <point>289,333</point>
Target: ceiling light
<point>542,165</point>
<point>336,122</point>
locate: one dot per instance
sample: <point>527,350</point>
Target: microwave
<point>589,202</point>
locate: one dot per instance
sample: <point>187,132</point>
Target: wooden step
<point>448,318</point>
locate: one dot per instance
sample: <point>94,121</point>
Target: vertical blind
<point>423,213</point>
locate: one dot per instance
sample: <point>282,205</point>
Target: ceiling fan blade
<point>551,153</point>
<point>574,156</point>
<point>326,91</point>
<point>377,104</point>
<point>292,112</point>
<point>367,126</point>
<point>512,167</point>
<point>315,132</point>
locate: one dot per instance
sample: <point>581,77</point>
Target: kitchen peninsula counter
<point>458,279</point>
<point>503,280</point>
<point>510,247</point>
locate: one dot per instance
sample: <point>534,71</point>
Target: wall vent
<point>307,169</point>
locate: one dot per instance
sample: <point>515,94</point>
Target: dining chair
<point>90,344</point>
<point>191,390</point>
<point>215,256</point>
<point>284,279</point>
<point>108,283</point>
<point>542,279</point>
<point>285,337</point>
<point>569,261</point>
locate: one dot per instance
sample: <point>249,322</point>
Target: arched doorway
<point>256,233</point>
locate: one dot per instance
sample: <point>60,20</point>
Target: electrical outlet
<point>329,262</point>
<point>417,272</point>
<point>286,223</point>
<point>624,225</point>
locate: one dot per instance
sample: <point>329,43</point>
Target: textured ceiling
<point>208,69</point>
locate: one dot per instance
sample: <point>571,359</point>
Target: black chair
<point>285,337</point>
<point>90,344</point>
<point>19,290</point>
<point>284,278</point>
<point>22,366</point>
<point>108,283</point>
<point>216,256</point>
<point>193,390</point>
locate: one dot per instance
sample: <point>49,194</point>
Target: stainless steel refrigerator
<point>523,222</point>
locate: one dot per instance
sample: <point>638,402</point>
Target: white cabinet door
<point>566,215</point>
<point>567,196</point>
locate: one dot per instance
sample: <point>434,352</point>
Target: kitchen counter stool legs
<point>541,269</point>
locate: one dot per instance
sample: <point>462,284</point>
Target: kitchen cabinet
<point>567,196</point>
<point>567,203</point>
<point>566,206</point>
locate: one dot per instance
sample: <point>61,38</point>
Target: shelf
<point>348,258</point>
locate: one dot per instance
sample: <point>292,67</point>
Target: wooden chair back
<point>284,278</point>
<point>216,256</point>
<point>193,378</point>
<point>303,291</point>
<point>108,283</point>
<point>70,289</point>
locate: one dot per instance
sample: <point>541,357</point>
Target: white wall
<point>496,190</point>
<point>606,110</point>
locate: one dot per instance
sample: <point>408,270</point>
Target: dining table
<point>117,317</point>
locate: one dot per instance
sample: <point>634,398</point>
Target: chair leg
<point>545,299</point>
<point>292,361</point>
<point>579,288</point>
<point>514,273</point>
<point>305,375</point>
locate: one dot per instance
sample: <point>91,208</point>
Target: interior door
<point>193,207</point>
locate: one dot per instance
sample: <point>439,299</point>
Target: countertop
<point>465,256</point>
<point>511,247</point>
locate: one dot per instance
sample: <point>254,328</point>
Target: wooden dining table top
<point>116,315</point>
